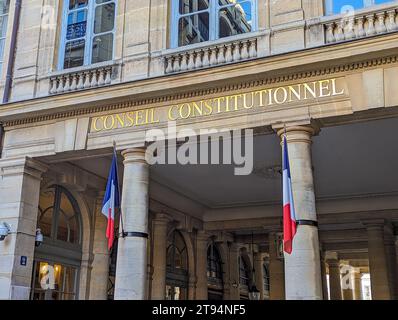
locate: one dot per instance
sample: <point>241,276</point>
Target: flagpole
<point>118,186</point>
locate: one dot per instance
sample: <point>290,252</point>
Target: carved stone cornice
<point>93,109</point>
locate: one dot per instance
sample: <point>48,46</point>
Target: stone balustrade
<point>361,24</point>
<point>81,79</point>
<point>212,55</point>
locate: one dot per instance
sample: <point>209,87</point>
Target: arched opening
<point>244,278</point>
<point>266,280</point>
<point>177,267</point>
<point>57,260</point>
<point>214,273</point>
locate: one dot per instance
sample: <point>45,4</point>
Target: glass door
<point>54,281</point>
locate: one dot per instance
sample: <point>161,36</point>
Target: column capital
<point>134,155</point>
<point>162,218</point>
<point>298,133</point>
<point>331,257</point>
<point>23,165</point>
<point>203,236</point>
<point>374,224</point>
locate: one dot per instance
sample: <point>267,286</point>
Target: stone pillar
<point>19,194</point>
<point>234,271</point>
<point>357,277</point>
<point>159,226</point>
<point>347,282</point>
<point>389,242</point>
<point>303,279</point>
<point>259,273</point>
<point>131,267</point>
<point>201,266</point>
<point>325,292</point>
<point>377,260</point>
<point>334,276</point>
<point>276,270</point>
<point>100,265</point>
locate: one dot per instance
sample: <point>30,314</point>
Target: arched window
<point>4,8</point>
<point>244,273</point>
<point>59,216</point>
<point>195,21</point>
<point>266,279</point>
<point>177,267</point>
<point>214,273</point>
<point>88,30</point>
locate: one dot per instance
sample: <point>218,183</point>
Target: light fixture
<point>38,238</point>
<point>254,294</point>
<point>4,230</point>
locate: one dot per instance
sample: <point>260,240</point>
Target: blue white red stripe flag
<point>111,200</point>
<point>289,215</point>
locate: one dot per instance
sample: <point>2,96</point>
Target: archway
<point>214,273</point>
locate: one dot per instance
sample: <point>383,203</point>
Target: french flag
<point>111,200</point>
<point>289,215</point>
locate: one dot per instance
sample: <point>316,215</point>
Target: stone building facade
<point>78,76</point>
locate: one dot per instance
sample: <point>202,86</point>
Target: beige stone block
<point>81,133</point>
<point>65,134</point>
<point>391,87</point>
<point>355,90</point>
<point>373,84</point>
<point>287,40</point>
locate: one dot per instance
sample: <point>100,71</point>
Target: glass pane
<point>189,6</point>
<point>69,284</point>
<point>63,227</point>
<point>75,4</point>
<point>102,48</point>
<point>4,6</point>
<point>45,222</point>
<point>67,224</point>
<point>74,54</point>
<point>102,1</point>
<point>45,212</point>
<point>77,25</point>
<point>235,20</point>
<point>2,42</point>
<point>3,25</point>
<point>193,29</point>
<point>104,18</point>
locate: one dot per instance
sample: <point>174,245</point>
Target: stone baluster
<point>330,33</point>
<point>169,62</point>
<point>349,29</point>
<point>213,56</point>
<point>198,59</point>
<point>206,61</point>
<point>360,31</point>
<point>191,60</point>
<point>380,25</point>
<point>60,88</point>
<point>390,21</point>
<point>86,80</point>
<point>184,62</point>
<point>67,83</point>
<point>228,53</point>
<point>221,55</point>
<point>94,80</point>
<point>176,64</point>
<point>236,52</point>
<point>73,85</point>
<point>80,82</point>
<point>108,75</point>
<point>370,31</point>
<point>253,49</point>
<point>53,85</point>
<point>339,32</point>
<point>245,50</point>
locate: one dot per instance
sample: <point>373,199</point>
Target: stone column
<point>19,194</point>
<point>234,271</point>
<point>357,277</point>
<point>201,266</point>
<point>347,282</point>
<point>334,276</point>
<point>259,273</point>
<point>100,265</point>
<point>303,279</point>
<point>325,292</point>
<point>159,225</point>
<point>389,242</point>
<point>131,267</point>
<point>377,260</point>
<point>276,270</point>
